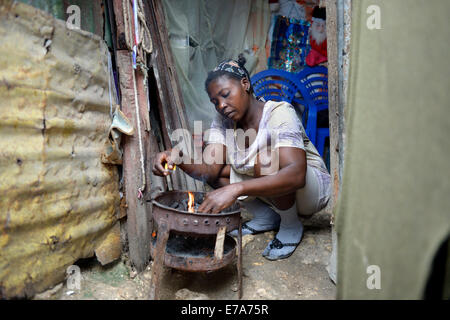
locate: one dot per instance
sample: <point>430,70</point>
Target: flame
<point>166,167</point>
<point>191,202</point>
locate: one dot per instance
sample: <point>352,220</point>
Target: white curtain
<point>202,33</point>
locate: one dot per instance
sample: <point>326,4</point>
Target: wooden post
<point>138,226</point>
<point>120,27</point>
<point>158,265</point>
<point>333,95</point>
<point>338,38</point>
<point>333,114</point>
<point>172,109</point>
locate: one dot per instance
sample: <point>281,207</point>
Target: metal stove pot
<point>170,220</point>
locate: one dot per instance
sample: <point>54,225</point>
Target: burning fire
<point>191,202</point>
<point>166,167</point>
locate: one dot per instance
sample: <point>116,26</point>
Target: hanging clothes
<point>290,44</point>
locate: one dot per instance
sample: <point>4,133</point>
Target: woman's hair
<point>233,69</point>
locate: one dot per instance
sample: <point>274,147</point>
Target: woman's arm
<point>283,174</point>
<point>277,174</point>
<point>209,170</point>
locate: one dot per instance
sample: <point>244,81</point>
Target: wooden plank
<point>333,111</point>
<point>333,96</point>
<point>167,55</point>
<point>156,183</point>
<point>172,111</point>
<point>344,51</point>
<point>177,180</point>
<point>220,240</point>
<point>138,213</point>
<point>158,264</point>
<point>338,37</point>
<point>172,105</point>
<point>120,27</point>
<point>165,103</point>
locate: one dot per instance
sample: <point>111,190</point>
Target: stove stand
<point>174,225</point>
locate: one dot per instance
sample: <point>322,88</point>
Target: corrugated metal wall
<point>58,201</point>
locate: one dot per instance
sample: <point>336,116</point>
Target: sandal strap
<point>277,244</point>
<point>244,225</point>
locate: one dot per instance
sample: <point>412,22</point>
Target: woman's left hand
<point>219,199</point>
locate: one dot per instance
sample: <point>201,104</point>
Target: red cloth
<point>322,48</point>
<point>318,53</point>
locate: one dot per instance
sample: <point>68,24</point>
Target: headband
<point>233,67</point>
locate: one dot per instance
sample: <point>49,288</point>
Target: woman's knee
<point>283,202</point>
<point>308,197</point>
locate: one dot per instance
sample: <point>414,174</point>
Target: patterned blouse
<point>280,126</point>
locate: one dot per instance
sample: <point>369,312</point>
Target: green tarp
<point>91,13</point>
<point>394,208</point>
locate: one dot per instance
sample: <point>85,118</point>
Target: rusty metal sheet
<point>58,201</point>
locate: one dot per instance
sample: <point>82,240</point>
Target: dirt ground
<point>303,276</point>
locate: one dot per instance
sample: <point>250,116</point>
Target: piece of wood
<point>172,106</point>
<point>333,96</point>
<point>138,214</point>
<point>339,34</point>
<point>168,108</point>
<point>158,264</point>
<point>120,27</point>
<point>220,240</point>
<point>239,261</point>
<point>139,222</point>
<point>172,79</point>
<point>344,29</point>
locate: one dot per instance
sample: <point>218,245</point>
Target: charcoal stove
<point>192,241</point>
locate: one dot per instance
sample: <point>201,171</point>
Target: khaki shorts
<point>312,198</point>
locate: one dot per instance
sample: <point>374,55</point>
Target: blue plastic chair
<point>309,88</point>
<point>275,85</point>
<point>313,86</point>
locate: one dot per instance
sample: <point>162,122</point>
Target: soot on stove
<point>191,246</point>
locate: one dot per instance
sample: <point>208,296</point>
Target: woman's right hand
<point>160,161</point>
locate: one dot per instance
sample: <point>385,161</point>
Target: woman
<point>276,171</point>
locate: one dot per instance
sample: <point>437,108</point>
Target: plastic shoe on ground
<point>277,250</point>
<point>249,230</point>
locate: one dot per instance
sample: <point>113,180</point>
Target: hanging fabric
<point>290,44</point>
<point>112,153</point>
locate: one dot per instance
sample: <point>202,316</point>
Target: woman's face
<point>229,96</point>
